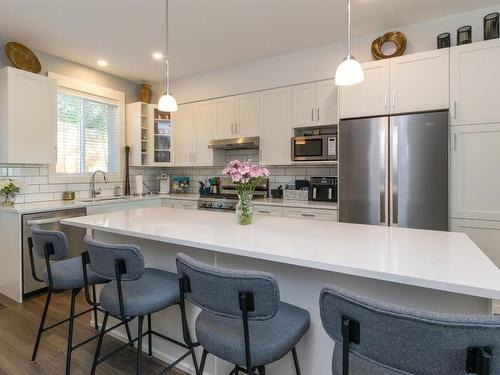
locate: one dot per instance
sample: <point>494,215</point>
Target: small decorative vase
<point>145,93</point>
<point>7,200</point>
<point>244,208</point>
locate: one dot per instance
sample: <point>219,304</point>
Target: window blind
<point>87,135</point>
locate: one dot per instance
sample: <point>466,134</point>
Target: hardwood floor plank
<point>18,328</point>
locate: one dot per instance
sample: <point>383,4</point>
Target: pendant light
<point>167,102</point>
<point>349,72</point>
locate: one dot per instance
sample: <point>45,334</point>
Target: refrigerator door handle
<point>383,173</point>
<point>394,174</point>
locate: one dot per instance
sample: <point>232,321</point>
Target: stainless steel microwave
<point>314,148</point>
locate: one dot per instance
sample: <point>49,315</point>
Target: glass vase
<point>244,208</point>
<point>7,200</point>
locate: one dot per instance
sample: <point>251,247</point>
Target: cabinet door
<point>183,135</point>
<point>311,214</point>
<point>420,82</point>
<point>203,125</point>
<point>370,97</point>
<point>475,177</point>
<point>224,118</point>
<point>474,83</point>
<point>33,103</point>
<point>276,127</point>
<point>326,102</point>
<point>304,105</point>
<point>247,119</point>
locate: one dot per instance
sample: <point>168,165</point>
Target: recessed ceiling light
<point>157,55</point>
<point>102,63</point>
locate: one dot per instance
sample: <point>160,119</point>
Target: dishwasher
<point>50,221</point>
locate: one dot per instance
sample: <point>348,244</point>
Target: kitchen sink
<point>103,199</point>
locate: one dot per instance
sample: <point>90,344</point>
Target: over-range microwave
<point>314,147</point>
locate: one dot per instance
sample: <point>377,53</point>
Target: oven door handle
<point>48,221</point>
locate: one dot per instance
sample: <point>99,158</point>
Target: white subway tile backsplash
<point>3,171</point>
<point>23,171</point>
<point>44,171</point>
<point>55,188</point>
<point>318,171</point>
<point>295,171</point>
<point>30,189</point>
<point>39,180</point>
<point>38,197</point>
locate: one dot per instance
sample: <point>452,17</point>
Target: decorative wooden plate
<point>22,57</point>
<point>396,37</point>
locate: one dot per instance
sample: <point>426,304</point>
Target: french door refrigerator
<point>393,170</point>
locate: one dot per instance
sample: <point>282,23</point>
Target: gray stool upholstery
<point>60,274</point>
<point>133,292</point>
<point>400,340</point>
<point>243,320</point>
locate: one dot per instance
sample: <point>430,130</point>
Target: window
<point>87,135</point>
<point>89,131</point>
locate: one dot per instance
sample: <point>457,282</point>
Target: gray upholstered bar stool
<point>243,320</point>
<point>373,337</point>
<point>133,292</point>
<point>61,274</point>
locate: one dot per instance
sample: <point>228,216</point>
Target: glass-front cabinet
<point>162,137</point>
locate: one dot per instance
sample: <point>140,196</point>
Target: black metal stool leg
<point>99,343</point>
<point>296,361</point>
<point>129,336</point>
<point>236,370</point>
<point>195,362</point>
<point>150,337</point>
<point>96,322</point>
<point>74,293</point>
<point>203,359</point>
<point>261,370</point>
<point>40,328</point>
<point>139,345</point>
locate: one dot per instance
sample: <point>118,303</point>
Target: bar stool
<point>133,292</point>
<point>243,320</point>
<point>64,274</point>
<point>374,337</point>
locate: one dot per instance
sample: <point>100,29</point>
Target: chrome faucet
<point>93,191</point>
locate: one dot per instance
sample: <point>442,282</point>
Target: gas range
<point>218,202</point>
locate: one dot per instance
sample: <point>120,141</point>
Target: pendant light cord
<point>349,51</point>
<point>167,69</point>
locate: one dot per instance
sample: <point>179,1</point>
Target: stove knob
<point>201,204</point>
<point>230,206</point>
<point>209,204</point>
<point>219,205</point>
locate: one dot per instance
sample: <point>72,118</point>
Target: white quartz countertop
<point>438,260</point>
<point>25,208</point>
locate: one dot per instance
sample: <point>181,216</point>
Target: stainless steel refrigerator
<point>393,170</point>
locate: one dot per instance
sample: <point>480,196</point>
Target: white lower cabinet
<point>122,206</point>
<point>180,203</point>
<point>308,213</point>
<point>268,210</point>
<point>474,173</point>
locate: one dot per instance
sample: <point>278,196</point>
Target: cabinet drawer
<point>268,210</point>
<point>180,203</point>
<point>314,214</point>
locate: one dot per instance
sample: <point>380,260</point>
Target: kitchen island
<point>438,271</point>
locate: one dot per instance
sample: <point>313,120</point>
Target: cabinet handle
<point>264,212</point>
<point>232,128</point>
<point>312,114</point>
<point>308,215</point>
<point>235,128</point>
<point>385,99</point>
<point>394,99</point>
<point>54,153</point>
<point>318,114</point>
<point>454,141</point>
<point>455,110</point>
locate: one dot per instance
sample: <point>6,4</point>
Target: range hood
<point>246,143</point>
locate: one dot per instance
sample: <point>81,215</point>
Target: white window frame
<point>96,92</point>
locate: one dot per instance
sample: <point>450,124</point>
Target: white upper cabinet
<point>420,82</point>
<point>314,104</point>
<point>326,101</point>
<point>475,177</point>
<point>304,105</point>
<point>247,115</point>
<point>224,118</point>
<point>203,126</point>
<point>474,83</point>
<point>28,117</point>
<point>183,135</point>
<point>276,126</point>
<point>370,97</point>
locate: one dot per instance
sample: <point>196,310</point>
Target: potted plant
<point>245,177</point>
<point>8,191</point>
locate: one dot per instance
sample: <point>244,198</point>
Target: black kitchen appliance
<point>323,189</point>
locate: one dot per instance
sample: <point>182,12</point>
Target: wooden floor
<point>18,328</point>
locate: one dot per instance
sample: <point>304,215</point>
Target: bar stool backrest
<point>218,290</point>
<point>55,239</point>
<point>103,258</point>
<point>400,340</point>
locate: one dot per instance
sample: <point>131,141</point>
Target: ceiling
<point>204,34</point>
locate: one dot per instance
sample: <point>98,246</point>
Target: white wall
<point>314,63</point>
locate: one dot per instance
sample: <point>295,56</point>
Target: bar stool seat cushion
<point>152,292</point>
<point>68,274</point>
<point>270,339</point>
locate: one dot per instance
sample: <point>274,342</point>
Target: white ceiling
<point>204,34</point>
